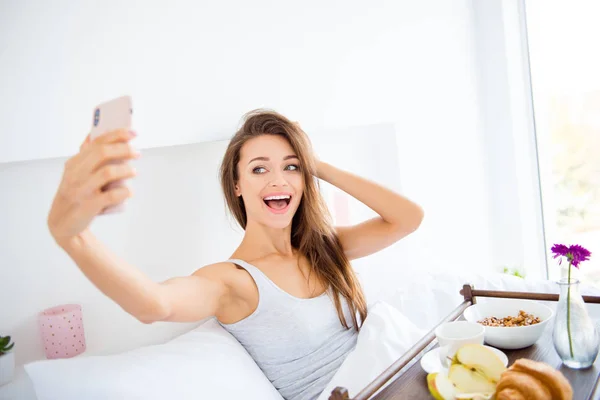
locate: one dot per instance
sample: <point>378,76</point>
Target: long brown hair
<point>312,234</point>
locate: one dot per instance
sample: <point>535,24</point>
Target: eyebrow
<point>267,158</point>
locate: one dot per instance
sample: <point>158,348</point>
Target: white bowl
<point>516,337</point>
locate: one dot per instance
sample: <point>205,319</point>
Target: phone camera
<point>96,117</point>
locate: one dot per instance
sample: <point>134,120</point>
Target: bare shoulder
<point>226,273</point>
<point>221,271</point>
<point>237,286</point>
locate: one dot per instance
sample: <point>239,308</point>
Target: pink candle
<point>61,329</point>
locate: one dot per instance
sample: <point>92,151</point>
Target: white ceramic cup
<point>452,335</point>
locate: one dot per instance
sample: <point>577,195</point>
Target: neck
<point>261,241</point>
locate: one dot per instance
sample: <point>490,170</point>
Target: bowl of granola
<point>510,323</point>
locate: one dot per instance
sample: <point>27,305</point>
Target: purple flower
<point>578,254</point>
<point>574,253</point>
<point>560,250</point>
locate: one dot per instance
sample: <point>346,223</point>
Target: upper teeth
<point>285,196</point>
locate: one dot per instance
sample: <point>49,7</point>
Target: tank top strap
<point>257,275</point>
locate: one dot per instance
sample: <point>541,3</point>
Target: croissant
<point>533,380</point>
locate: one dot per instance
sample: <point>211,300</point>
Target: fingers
<point>108,174</point>
<point>102,190</point>
<point>111,197</point>
<point>112,146</point>
<point>105,153</point>
<point>119,135</point>
<point>85,143</point>
<point>86,188</point>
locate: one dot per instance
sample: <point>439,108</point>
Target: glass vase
<point>575,337</point>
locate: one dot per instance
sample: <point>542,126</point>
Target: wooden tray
<point>406,379</point>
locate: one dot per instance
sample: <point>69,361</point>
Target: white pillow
<point>205,363</point>
<point>384,337</point>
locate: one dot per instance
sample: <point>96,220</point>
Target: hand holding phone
<point>93,179</point>
<point>80,198</point>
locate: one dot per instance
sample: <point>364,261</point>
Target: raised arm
<point>398,216</point>
<point>82,194</point>
<point>181,299</point>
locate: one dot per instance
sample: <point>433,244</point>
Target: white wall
<point>194,67</point>
<point>328,65</point>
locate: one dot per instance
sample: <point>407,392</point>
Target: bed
<point>204,362</point>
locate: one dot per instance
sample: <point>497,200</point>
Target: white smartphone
<point>109,116</point>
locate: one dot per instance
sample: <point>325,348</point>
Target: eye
<point>293,167</point>
<point>259,170</point>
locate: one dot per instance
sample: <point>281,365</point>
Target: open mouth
<point>278,202</point>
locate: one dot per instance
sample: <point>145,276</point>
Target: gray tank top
<point>299,344</point>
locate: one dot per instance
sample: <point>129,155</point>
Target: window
<point>564,63</point>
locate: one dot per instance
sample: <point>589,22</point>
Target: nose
<point>277,179</point>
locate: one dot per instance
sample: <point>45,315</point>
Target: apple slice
<point>480,359</point>
<point>440,386</point>
<point>469,380</point>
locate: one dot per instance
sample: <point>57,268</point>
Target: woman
<point>288,292</point>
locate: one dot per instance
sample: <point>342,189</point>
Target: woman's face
<point>270,181</point>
